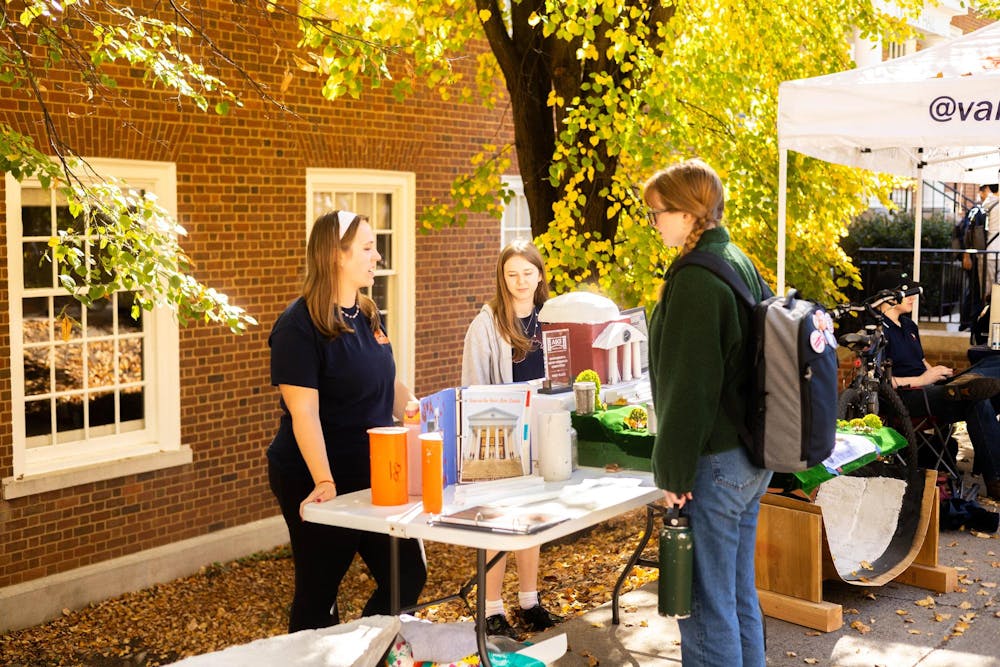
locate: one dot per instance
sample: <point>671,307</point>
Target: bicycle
<point>870,390</point>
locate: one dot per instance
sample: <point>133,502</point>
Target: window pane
<point>383,243</point>
<point>37,269</point>
<point>383,214</point>
<point>130,366</point>
<point>132,408</point>
<point>101,364</point>
<point>65,221</point>
<point>68,313</point>
<point>125,322</point>
<point>69,367</point>
<point>322,203</point>
<point>69,413</point>
<point>380,292</point>
<point>102,408</point>
<point>36,220</point>
<point>343,201</point>
<point>35,314</point>
<point>100,319</point>
<point>365,203</point>
<point>37,370</point>
<point>38,420</point>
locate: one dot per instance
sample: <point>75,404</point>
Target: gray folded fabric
<point>438,642</point>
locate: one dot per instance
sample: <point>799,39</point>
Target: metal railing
<point>947,286</point>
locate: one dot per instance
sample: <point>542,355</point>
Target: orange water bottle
<point>432,470</point>
<point>411,420</point>
<point>388,457</point>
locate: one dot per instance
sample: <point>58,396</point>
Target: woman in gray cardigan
<point>503,344</point>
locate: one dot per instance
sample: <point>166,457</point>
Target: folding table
<point>589,497</point>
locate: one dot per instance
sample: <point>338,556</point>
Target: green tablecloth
<point>886,440</point>
<point>604,439</point>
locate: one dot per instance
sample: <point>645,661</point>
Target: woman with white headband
<point>333,364</point>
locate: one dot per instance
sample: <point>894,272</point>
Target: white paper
<point>847,448</point>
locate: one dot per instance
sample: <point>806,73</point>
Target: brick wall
<point>240,187</point>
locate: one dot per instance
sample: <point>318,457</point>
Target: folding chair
<point>933,439</point>
<point>934,444</point>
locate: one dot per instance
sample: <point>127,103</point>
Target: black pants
<point>979,416</point>
<point>322,555</point>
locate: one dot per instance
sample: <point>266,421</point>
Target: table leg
<point>636,559</point>
<point>394,575</point>
<point>481,569</point>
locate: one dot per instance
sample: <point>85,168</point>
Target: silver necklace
<point>529,328</point>
<point>350,315</point>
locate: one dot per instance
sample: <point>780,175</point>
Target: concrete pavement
<point>958,629</point>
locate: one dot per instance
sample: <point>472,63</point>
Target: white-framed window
<point>515,223</point>
<point>95,394</point>
<point>388,198</point>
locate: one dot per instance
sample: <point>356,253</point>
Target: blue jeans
<point>725,627</point>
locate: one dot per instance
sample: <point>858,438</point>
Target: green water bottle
<point>676,565</point>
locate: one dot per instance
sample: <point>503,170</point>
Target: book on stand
<point>439,412</point>
<point>486,430</point>
<point>495,435</point>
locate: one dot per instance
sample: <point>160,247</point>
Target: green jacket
<point>698,363</point>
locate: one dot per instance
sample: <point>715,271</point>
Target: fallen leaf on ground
<point>925,602</point>
<point>860,627</point>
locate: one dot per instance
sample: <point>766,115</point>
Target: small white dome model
<point>578,308</point>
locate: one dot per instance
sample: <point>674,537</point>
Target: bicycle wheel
<point>850,404</point>
<point>894,414</point>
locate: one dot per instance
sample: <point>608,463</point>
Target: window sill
<point>28,485</point>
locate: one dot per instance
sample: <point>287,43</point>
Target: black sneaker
<point>539,618</point>
<point>498,625</point>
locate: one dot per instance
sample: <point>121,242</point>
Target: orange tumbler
<point>432,470</point>
<point>387,445</point>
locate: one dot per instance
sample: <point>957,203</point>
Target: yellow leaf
<point>65,328</point>
<point>286,80</point>
<point>860,627</point>
<point>926,602</point>
<point>965,604</point>
<point>484,15</point>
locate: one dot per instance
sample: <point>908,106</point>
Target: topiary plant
<point>636,419</point>
<point>590,375</point>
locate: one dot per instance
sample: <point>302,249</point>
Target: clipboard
<point>508,520</point>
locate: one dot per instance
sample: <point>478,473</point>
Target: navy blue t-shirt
<point>355,375</point>
<point>903,347</point>
<point>532,366</point>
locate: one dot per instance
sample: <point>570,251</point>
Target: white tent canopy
<point>933,114</point>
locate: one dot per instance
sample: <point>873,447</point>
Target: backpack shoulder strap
<point>725,271</point>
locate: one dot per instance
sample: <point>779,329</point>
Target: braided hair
<point>693,187</point>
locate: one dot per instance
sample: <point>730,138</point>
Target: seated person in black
<point>915,381</point>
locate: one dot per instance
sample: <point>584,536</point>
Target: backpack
<point>978,227</point>
<point>792,401</point>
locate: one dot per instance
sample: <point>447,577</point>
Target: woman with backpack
<point>698,336</point>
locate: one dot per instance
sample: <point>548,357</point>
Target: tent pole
<point>782,187</point>
<point>918,221</point>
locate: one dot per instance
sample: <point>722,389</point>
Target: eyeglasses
<point>651,214</point>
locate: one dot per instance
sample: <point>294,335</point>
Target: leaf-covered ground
<point>247,599</point>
